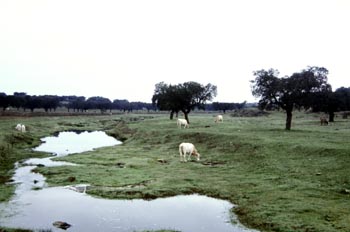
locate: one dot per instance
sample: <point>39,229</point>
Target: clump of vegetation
<point>13,230</point>
<point>121,131</point>
<point>5,163</point>
<point>5,151</point>
<point>249,112</point>
<point>69,124</point>
<point>18,139</point>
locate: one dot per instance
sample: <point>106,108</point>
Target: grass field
<point>296,180</point>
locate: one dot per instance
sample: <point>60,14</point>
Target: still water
<point>38,209</point>
<point>69,142</point>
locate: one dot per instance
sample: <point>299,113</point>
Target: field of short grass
<point>281,180</point>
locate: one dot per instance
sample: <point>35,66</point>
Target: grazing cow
<point>183,122</point>
<point>188,149</point>
<point>323,120</point>
<point>20,127</point>
<point>219,118</point>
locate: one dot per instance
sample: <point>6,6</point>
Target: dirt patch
<point>131,187</point>
<point>214,163</point>
<point>4,179</point>
<point>162,161</point>
<point>120,165</point>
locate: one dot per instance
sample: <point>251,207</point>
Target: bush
<point>249,112</point>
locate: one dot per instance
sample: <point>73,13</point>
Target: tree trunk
<point>186,112</point>
<point>331,116</point>
<point>186,117</point>
<point>289,119</point>
<point>171,115</point>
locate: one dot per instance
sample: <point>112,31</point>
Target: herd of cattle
<point>183,122</point>
<point>185,149</point>
<point>188,149</point>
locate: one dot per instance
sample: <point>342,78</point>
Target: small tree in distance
<point>182,97</point>
<point>289,92</point>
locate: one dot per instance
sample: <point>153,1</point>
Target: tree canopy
<point>182,97</point>
<point>77,103</point>
<point>228,106</point>
<point>291,92</point>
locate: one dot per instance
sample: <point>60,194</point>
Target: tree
<point>4,101</point>
<point>49,102</point>
<point>16,102</point>
<point>32,102</point>
<point>182,97</point>
<point>223,106</point>
<point>291,92</point>
<point>228,106</point>
<point>121,105</point>
<point>343,94</point>
<point>67,101</point>
<point>326,101</point>
<point>164,98</point>
<point>78,103</point>
<point>100,103</point>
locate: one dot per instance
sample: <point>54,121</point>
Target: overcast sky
<point>121,49</point>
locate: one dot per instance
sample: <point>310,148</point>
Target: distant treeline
<point>22,101</point>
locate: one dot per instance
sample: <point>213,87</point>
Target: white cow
<point>219,118</point>
<point>21,127</point>
<point>18,127</point>
<point>183,122</point>
<point>188,149</point>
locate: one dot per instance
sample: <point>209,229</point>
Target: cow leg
<point>182,159</point>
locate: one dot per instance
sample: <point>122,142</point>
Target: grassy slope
<point>282,181</point>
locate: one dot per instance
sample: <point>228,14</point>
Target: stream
<point>36,206</point>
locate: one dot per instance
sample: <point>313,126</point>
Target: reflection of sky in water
<point>70,142</point>
<point>38,209</point>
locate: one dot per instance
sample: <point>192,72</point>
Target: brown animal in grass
<point>323,121</point>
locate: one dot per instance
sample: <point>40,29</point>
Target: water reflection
<point>39,209</point>
<point>71,142</point>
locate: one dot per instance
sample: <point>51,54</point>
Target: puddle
<point>69,142</point>
<point>39,209</point>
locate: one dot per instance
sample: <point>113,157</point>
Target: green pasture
<point>280,180</point>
